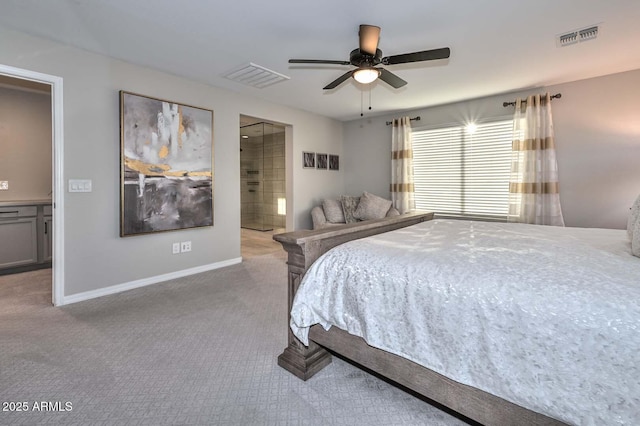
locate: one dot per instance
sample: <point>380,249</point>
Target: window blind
<point>463,174</point>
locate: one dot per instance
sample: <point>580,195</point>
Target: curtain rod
<point>389,123</point>
<point>506,104</point>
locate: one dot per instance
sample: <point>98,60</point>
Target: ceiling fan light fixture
<point>366,57</point>
<point>366,75</point>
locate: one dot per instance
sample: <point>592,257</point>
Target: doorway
<point>263,184</point>
<point>52,217</point>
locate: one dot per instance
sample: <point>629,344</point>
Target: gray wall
<point>25,144</point>
<point>597,129</point>
<point>95,256</point>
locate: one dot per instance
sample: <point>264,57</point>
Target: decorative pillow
<point>333,211</point>
<point>633,217</point>
<point>372,207</point>
<point>349,206</point>
<point>393,212</point>
<point>635,241</point>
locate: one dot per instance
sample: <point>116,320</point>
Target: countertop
<point>25,202</point>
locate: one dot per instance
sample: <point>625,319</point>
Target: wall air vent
<point>577,36</point>
<point>255,76</point>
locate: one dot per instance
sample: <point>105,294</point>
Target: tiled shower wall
<point>262,166</point>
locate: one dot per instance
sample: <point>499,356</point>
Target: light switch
<point>4,185</point>
<point>79,185</point>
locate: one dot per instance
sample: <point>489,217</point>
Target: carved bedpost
<point>302,361</point>
<point>304,248</point>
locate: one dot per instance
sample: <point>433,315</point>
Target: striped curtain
<point>533,188</point>
<point>402,188</point>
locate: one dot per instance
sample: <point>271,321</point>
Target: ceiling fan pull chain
<point>369,98</point>
<point>361,103</point>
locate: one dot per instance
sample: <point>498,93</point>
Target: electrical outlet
<point>4,185</point>
<point>175,249</point>
<point>185,246</point>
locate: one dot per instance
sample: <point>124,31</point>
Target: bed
<point>503,323</point>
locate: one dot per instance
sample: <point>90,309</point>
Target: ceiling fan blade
<point>318,61</point>
<point>391,79</point>
<point>426,55</point>
<point>338,81</point>
<point>369,37</point>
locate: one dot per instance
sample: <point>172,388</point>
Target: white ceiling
<point>497,46</point>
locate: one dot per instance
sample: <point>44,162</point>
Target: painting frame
<point>334,162</point>
<point>321,161</point>
<point>166,165</point>
<point>308,160</point>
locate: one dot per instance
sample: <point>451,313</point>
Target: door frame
<point>57,150</point>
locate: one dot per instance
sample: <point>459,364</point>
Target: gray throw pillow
<point>393,212</point>
<point>349,206</point>
<point>372,207</point>
<point>333,211</point>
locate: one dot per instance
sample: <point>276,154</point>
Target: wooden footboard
<point>303,248</point>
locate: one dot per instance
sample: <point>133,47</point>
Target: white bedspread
<point>545,317</point>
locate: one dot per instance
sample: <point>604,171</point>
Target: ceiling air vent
<point>255,76</point>
<point>567,39</point>
<point>577,36</point>
<point>588,33</point>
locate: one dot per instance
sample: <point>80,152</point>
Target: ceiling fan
<point>368,56</point>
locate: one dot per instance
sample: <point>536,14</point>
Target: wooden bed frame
<point>303,248</point>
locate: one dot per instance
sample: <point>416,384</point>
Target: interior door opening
<point>263,177</point>
<point>31,208</point>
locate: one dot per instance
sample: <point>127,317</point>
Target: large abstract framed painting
<point>166,165</point>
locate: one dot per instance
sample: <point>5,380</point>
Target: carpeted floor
<point>198,350</point>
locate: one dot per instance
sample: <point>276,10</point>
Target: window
<point>463,171</point>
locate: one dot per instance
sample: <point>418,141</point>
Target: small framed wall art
<point>321,161</point>
<point>334,162</point>
<point>308,160</point>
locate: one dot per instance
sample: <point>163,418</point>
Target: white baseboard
<point>118,288</point>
